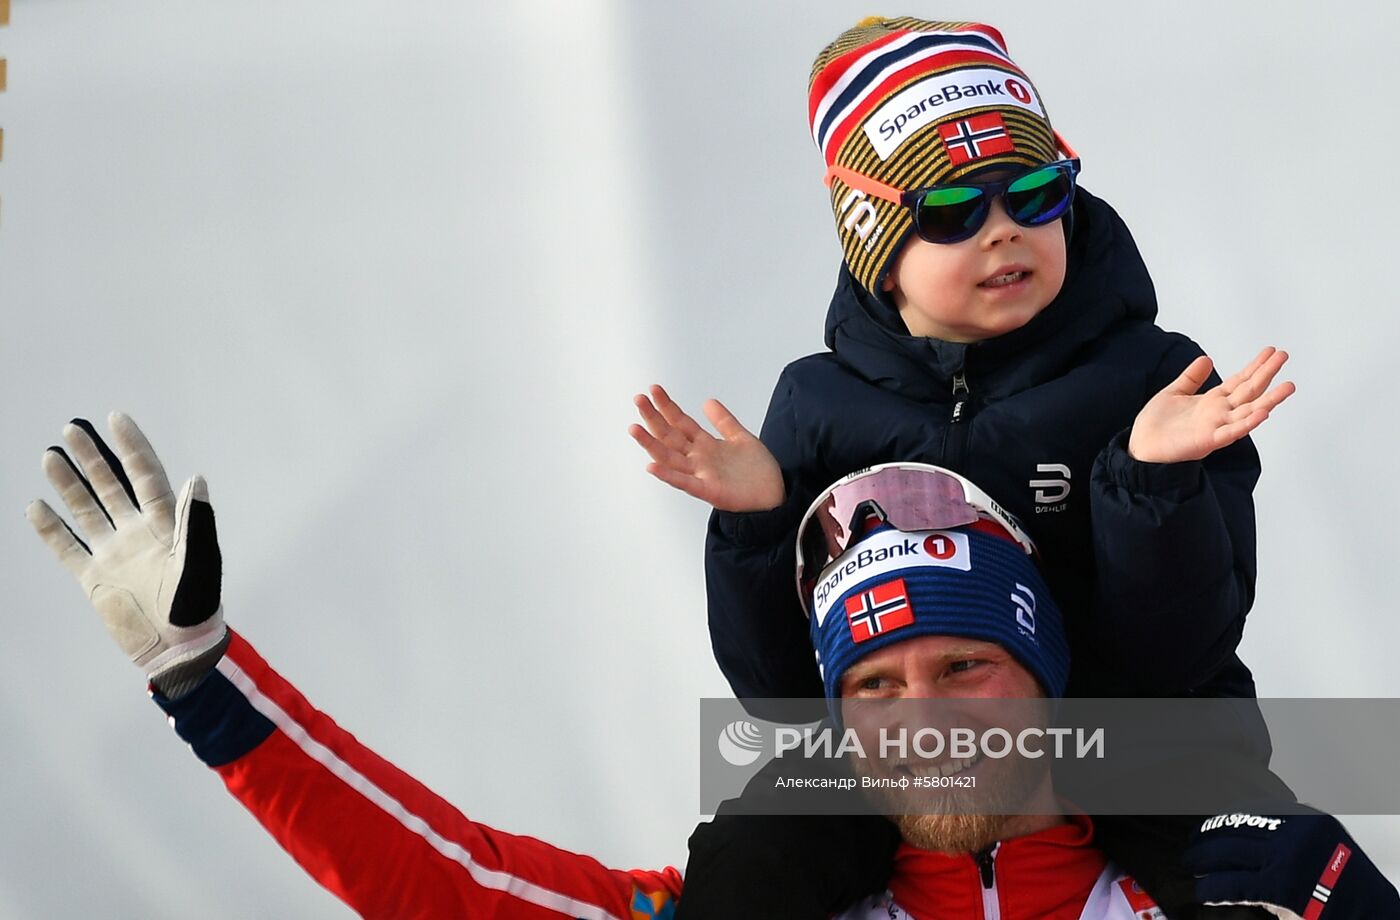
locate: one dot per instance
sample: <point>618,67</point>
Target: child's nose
<point>999,227</point>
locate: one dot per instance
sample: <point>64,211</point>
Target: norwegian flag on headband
<point>879,610</point>
<point>969,139</point>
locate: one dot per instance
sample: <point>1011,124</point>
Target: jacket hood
<point>1106,283</point>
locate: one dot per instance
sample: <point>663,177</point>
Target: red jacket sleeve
<point>375,837</point>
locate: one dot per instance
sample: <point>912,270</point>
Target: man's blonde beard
<point>955,822</point>
<point>953,834</point>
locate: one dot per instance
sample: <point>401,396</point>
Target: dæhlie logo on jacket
<point>1051,494</point>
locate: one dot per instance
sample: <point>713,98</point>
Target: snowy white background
<point>388,274</point>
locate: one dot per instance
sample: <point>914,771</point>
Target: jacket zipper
<point>959,432</point>
<point>991,904</point>
<point>960,390</point>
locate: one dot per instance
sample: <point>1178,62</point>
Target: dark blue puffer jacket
<point>1152,564</point>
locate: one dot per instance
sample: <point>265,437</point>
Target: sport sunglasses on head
<point>907,496</point>
<point>956,211</point>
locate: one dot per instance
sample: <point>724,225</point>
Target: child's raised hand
<point>733,472</point>
<point>1181,424</point>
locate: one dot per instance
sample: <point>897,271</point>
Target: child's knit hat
<point>912,103</point>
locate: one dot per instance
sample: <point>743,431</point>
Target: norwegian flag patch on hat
<point>969,139</point>
<point>878,610</point>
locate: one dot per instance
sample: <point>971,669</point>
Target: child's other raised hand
<point>1180,423</point>
<point>733,472</point>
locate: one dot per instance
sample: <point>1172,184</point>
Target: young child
<point>990,318</point>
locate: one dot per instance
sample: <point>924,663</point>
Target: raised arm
<point>372,835</point>
<point>1173,520</point>
<point>756,486</point>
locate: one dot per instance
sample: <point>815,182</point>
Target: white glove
<point>149,564</point>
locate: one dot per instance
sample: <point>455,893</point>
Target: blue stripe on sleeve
<point>216,720</point>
